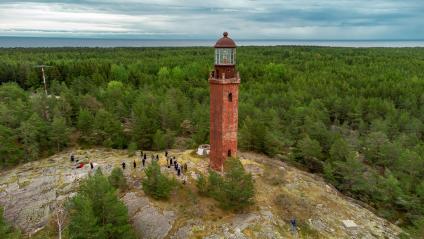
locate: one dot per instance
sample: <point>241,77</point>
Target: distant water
<point>82,42</point>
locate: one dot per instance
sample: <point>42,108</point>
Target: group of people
<point>143,160</point>
<point>171,161</point>
<point>80,164</point>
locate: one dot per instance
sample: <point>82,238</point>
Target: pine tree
<point>108,130</point>
<point>31,135</point>
<point>238,188</point>
<point>85,121</point>
<point>310,148</point>
<point>234,191</point>
<point>83,223</point>
<point>10,152</point>
<point>340,150</point>
<point>156,184</point>
<point>132,148</point>
<point>117,179</point>
<point>159,140</point>
<point>59,132</point>
<point>85,125</point>
<point>105,214</point>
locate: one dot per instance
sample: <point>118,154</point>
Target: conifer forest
<point>355,116</point>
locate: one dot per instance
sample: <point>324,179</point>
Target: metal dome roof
<point>225,42</point>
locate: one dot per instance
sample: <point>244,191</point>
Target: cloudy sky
<point>205,19</point>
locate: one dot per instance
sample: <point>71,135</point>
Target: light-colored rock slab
<point>148,221</point>
<point>349,224</point>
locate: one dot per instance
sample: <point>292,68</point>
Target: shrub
<point>237,190</point>
<point>117,179</point>
<point>215,183</point>
<point>233,191</point>
<point>156,184</point>
<point>132,148</point>
<point>6,231</point>
<point>202,185</point>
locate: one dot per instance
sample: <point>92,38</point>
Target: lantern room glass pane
<point>225,56</point>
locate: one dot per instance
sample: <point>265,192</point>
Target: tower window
<point>230,97</point>
<point>229,153</point>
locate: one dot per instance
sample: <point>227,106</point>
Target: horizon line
<point>208,39</point>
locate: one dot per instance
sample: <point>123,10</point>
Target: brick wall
<point>223,120</point>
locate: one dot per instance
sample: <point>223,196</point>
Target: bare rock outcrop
<point>29,193</point>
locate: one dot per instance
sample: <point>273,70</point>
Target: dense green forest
<point>355,116</point>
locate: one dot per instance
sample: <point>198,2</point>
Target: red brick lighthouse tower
<point>224,83</point>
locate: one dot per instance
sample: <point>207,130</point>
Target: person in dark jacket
<point>143,161</point>
<point>91,165</point>
<point>72,158</point>
<point>293,225</point>
<point>134,164</point>
<point>123,165</point>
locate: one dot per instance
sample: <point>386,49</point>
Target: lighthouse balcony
<point>214,78</point>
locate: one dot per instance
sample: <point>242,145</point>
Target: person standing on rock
<point>170,162</point>
<point>134,164</point>
<point>123,165</point>
<point>157,156</point>
<point>166,153</point>
<point>144,156</point>
<point>144,161</point>
<point>91,165</point>
<point>72,158</point>
<point>178,171</point>
<point>293,225</point>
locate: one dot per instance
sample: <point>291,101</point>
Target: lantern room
<point>225,51</point>
<point>225,57</point>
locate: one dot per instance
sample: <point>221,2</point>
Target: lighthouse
<point>224,83</point>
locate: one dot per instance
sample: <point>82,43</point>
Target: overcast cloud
<point>204,19</point>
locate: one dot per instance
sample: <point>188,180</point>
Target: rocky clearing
<point>29,193</point>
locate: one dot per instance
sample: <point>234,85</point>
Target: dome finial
<point>225,34</point>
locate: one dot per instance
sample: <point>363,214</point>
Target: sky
<point>206,19</point>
